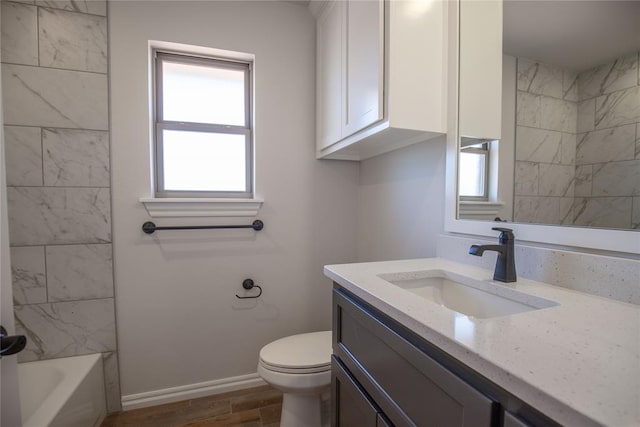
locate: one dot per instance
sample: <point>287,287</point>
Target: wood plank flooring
<point>254,407</point>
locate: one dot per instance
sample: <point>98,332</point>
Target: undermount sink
<point>474,298</point>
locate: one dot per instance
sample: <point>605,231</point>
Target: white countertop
<point>578,362</point>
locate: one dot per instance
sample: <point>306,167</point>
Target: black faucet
<point>506,262</point>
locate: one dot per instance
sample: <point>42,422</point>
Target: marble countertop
<point>577,362</point>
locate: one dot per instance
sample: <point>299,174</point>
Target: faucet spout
<point>478,250</point>
<point>505,264</point>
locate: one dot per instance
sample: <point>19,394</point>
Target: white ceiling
<point>572,34</point>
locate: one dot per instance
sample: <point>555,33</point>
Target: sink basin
<point>474,298</point>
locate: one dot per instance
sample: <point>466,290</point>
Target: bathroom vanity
<point>432,342</point>
<point>383,371</point>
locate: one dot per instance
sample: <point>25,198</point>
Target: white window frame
<point>160,56</point>
<point>485,150</point>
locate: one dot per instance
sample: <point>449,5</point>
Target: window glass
<point>200,161</point>
<point>203,94</point>
<point>472,174</point>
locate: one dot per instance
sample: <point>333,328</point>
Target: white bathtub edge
<point>53,405</point>
<point>190,391</point>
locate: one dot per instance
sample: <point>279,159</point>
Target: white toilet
<point>300,367</point>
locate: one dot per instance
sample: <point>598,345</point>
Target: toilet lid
<point>312,350</point>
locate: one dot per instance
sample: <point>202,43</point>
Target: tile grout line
<point>75,12</point>
<point>43,67</point>
<point>56,128</point>
<point>46,274</point>
<point>562,131</point>
<point>41,158</point>
<point>60,244</point>
<point>57,186</point>
<point>38,30</point>
<point>578,101</point>
<point>67,301</point>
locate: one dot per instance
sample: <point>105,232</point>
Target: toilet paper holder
<point>248,284</point>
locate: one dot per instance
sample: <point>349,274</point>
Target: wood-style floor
<point>254,407</point>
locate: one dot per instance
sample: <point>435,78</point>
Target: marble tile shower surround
<point>72,41</point>
<point>19,44</point>
<point>23,149</point>
<point>75,158</point>
<point>604,276</point>
<point>55,95</point>
<point>77,327</point>
<point>58,215</point>
<point>578,149</point>
<point>47,97</point>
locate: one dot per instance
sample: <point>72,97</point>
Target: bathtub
<point>67,392</point>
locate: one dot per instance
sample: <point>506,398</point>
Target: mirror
<point>549,112</point>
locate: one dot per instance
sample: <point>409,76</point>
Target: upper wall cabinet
<point>480,101</point>
<point>380,75</point>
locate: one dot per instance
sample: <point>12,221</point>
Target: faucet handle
<point>502,229</point>
<point>505,233</point>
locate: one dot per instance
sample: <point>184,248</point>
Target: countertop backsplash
<point>606,276</point>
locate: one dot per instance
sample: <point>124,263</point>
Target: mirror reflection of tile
<point>577,148</point>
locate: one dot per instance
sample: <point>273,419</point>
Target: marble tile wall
<point>607,158</point>
<point>578,144</point>
<point>546,121</point>
<point>55,95</point>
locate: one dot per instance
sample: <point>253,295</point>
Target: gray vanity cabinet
<point>355,408</point>
<point>408,387</point>
<point>384,375</point>
<point>511,420</point>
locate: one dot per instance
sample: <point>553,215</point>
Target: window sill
<point>469,208</point>
<point>195,207</point>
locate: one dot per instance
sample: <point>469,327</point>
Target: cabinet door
<point>409,386</point>
<point>510,420</point>
<point>481,69</point>
<point>383,422</point>
<point>330,32</point>
<point>364,74</point>
<point>351,407</point>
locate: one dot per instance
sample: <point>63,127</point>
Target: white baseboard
<point>190,391</point>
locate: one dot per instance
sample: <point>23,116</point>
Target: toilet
<point>300,367</point>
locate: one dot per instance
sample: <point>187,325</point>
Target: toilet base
<point>301,410</point>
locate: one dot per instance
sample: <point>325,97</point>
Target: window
<point>473,181</point>
<point>203,138</point>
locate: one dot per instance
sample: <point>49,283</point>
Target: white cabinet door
<point>330,32</point>
<point>363,75</point>
<point>480,114</point>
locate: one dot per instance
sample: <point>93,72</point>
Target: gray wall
<point>56,121</point>
<point>401,201</point>
<point>182,284</point>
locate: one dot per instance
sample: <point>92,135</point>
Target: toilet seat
<point>298,354</point>
<point>298,371</point>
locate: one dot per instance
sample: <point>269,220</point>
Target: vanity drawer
<point>352,406</point>
<point>409,386</point>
